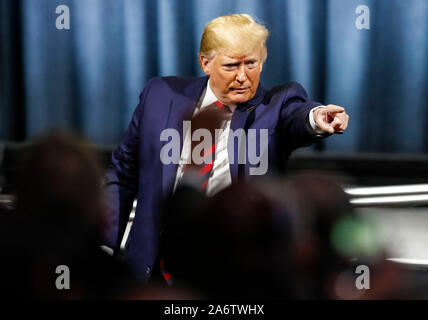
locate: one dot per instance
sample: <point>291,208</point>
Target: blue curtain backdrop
<point>88,78</point>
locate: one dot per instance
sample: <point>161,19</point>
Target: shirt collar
<point>210,98</point>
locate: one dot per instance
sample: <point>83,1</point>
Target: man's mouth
<point>239,90</point>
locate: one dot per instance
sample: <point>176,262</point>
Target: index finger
<point>333,108</point>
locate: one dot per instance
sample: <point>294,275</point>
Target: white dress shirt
<point>220,176</point>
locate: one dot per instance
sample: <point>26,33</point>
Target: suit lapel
<point>240,120</point>
<point>181,108</point>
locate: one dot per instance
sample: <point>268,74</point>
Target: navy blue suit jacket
<point>136,169</point>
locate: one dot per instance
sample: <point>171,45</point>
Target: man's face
<point>234,79</point>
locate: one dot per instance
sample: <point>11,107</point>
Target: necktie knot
<point>221,106</point>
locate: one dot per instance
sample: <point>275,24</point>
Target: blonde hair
<point>234,34</point>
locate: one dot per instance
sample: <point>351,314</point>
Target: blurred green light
<point>355,237</point>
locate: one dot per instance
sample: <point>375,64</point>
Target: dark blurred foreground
<point>294,238</point>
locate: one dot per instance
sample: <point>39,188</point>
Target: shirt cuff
<point>312,122</point>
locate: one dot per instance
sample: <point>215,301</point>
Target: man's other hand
<point>331,118</point>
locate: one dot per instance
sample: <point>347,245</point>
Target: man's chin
<point>239,98</point>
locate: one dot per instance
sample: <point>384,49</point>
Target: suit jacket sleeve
<point>294,117</point>
<point>121,182</point>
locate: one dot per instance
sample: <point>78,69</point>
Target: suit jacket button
<point>148,270</point>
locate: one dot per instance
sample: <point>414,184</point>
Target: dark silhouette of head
<point>59,220</point>
<point>61,181</point>
<point>233,245</point>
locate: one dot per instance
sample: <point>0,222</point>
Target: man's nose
<point>241,76</point>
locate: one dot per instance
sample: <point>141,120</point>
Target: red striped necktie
<point>211,117</point>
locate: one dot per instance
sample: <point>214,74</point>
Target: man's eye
<point>229,66</point>
<point>251,64</point>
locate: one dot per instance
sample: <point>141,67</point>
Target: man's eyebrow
<point>237,62</point>
<point>230,63</point>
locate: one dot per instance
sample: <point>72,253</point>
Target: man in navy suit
<point>232,54</point>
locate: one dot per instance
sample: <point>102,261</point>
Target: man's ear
<point>205,64</point>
